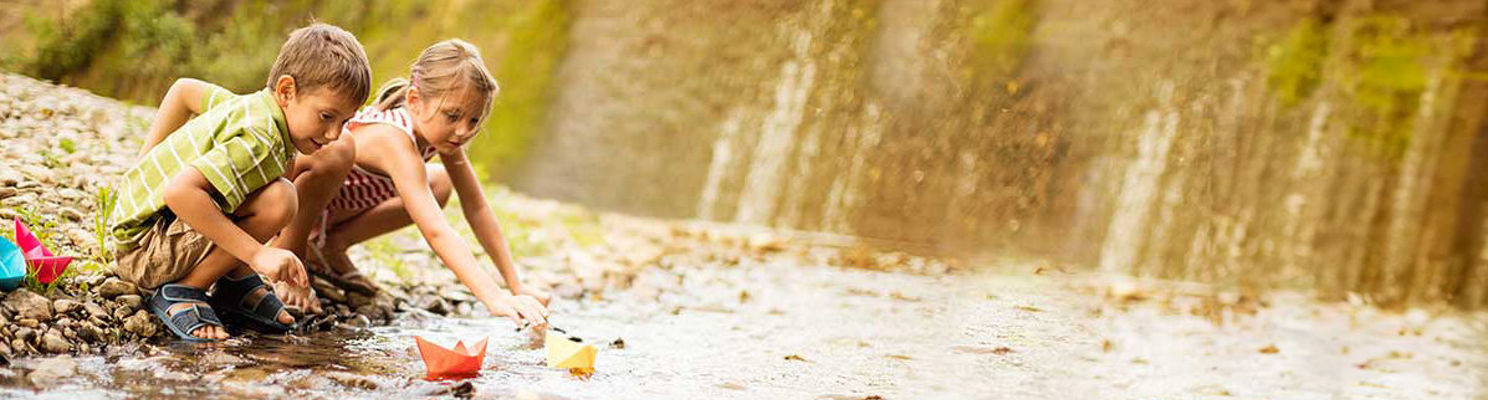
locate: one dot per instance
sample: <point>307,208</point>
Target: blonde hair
<point>443,67</point>
<point>324,55</point>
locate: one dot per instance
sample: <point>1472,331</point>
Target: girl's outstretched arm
<point>387,149</point>
<point>483,222</point>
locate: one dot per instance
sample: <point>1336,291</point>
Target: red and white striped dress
<point>365,189</point>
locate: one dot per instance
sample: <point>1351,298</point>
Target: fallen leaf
<point>1270,349</point>
<point>1001,350</point>
<point>618,344</point>
<point>896,295</point>
<point>794,357</point>
<point>898,357</point>
<point>1106,345</point>
<point>1030,309</point>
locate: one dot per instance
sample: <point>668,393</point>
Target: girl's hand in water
<point>524,310</point>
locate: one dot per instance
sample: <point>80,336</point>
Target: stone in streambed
<point>29,305</point>
<point>140,324</point>
<point>54,342</point>
<point>114,287</point>
<point>51,371</point>
<point>133,301</point>
<point>66,306</point>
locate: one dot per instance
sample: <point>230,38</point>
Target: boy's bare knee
<point>276,203</point>
<point>440,183</point>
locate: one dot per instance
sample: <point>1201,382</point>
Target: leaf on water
<point>1106,345</point>
<point>896,295</point>
<point>1270,349</point>
<point>898,357</point>
<point>618,344</point>
<point>744,296</point>
<point>795,357</point>
<point>581,373</point>
<point>1001,350</point>
<point>1030,309</point>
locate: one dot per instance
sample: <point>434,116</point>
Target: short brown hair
<point>324,55</point>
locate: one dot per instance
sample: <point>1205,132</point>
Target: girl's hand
<point>523,310</point>
<point>541,296</point>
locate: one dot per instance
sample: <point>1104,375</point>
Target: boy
<point>203,200</point>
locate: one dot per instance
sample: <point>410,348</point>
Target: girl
<point>437,110</point>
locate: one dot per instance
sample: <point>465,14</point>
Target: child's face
<point>315,116</point>
<point>449,121</point>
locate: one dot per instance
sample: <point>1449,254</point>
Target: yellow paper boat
<point>568,354</point>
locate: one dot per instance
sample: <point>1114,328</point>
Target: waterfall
<point>766,171</point>
<point>719,165</point>
<point>1139,191</point>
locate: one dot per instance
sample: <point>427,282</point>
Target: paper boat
<point>567,353</point>
<point>47,266</point>
<point>443,363</point>
<point>12,265</point>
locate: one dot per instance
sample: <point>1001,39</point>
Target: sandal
<point>352,281</point>
<point>184,321</point>
<point>232,296</point>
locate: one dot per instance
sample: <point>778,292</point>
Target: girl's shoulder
<point>397,117</point>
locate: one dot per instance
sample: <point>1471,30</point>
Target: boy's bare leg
<point>262,215</point>
<point>317,178</point>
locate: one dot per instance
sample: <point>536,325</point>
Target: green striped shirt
<point>239,143</point>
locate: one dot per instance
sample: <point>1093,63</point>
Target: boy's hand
<point>541,296</point>
<point>280,265</point>
<point>523,310</point>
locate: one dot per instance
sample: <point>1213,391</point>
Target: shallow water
<point>781,330</point>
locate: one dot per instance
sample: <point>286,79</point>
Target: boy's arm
<point>189,196</point>
<point>184,99</point>
<point>478,213</point>
<point>388,150</point>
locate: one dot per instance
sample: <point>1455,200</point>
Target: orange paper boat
<point>442,363</point>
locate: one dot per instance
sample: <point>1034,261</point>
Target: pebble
<point>114,287</point>
<point>66,306</point>
<point>55,343</point>
<point>29,305</point>
<point>140,324</point>
<point>50,372</point>
<point>130,300</point>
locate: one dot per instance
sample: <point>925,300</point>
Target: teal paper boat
<point>12,265</point>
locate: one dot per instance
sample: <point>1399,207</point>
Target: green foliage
<point>105,199</point>
<point>1296,63</point>
<point>1385,79</point>
<point>1001,36</point>
<point>537,39</point>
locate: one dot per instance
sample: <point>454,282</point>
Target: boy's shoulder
<point>225,114</point>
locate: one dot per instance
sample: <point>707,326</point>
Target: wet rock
<point>91,333</point>
<point>114,287</point>
<point>140,324</point>
<point>72,214</point>
<point>29,305</point>
<point>66,306</point>
<point>96,311</point>
<point>133,301</point>
<point>50,372</point>
<point>352,380</point>
<point>54,342</point>
<point>25,334</point>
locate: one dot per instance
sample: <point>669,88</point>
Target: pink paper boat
<point>442,363</point>
<point>47,266</point>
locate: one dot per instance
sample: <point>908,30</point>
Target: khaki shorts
<point>166,253</point>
